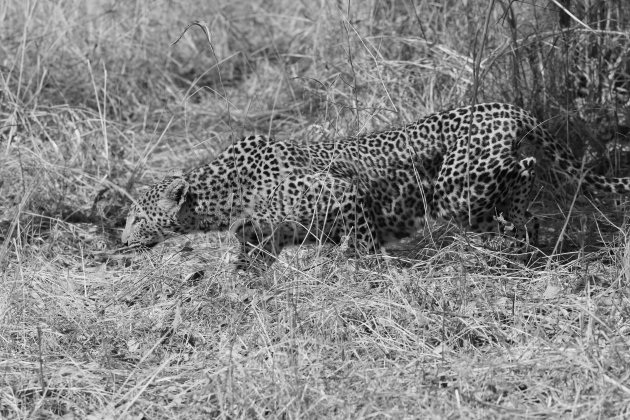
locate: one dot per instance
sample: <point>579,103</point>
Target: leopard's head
<point>156,215</point>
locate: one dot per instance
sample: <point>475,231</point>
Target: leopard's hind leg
<point>511,216</point>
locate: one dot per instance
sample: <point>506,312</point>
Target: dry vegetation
<point>97,100</point>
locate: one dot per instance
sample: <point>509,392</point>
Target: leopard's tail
<point>563,161</point>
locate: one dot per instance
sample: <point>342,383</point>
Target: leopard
<point>472,165</point>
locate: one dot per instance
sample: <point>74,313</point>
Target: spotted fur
<point>259,190</point>
<point>466,165</point>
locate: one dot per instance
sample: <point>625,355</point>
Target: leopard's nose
<point>124,238</point>
<point>126,233</point>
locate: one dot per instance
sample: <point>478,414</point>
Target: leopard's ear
<point>174,195</point>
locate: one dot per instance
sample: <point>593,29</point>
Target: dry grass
<point>95,100</point>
